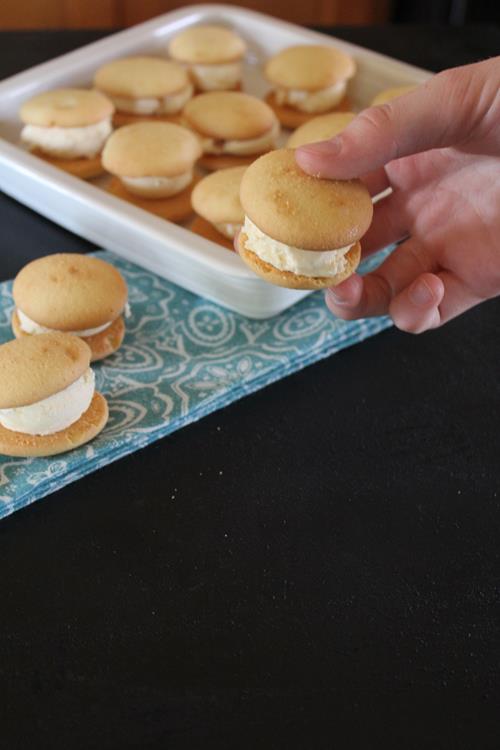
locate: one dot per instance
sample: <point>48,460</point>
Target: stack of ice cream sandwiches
<point>69,312</point>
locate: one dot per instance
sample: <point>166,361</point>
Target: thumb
<point>441,112</point>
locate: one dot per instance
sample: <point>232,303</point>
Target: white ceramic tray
<point>165,248</point>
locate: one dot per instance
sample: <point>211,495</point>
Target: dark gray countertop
<point>336,586</point>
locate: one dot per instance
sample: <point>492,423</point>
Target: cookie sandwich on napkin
<point>301,232</point>
<point>74,294</point>
<point>48,401</point>
<point>68,128</point>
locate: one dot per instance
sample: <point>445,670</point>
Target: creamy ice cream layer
<point>54,413</point>
<point>245,147</point>
<point>216,77</point>
<point>312,101</point>
<point>288,258</point>
<point>167,105</point>
<point>68,143</point>
<point>228,230</point>
<point>29,326</point>
<point>158,187</point>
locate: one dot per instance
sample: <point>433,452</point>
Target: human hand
<point>438,147</point>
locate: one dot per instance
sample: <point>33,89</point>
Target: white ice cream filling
<point>54,413</point>
<point>245,147</point>
<point>312,101</point>
<point>216,77</point>
<point>68,143</point>
<point>158,187</point>
<point>228,229</point>
<point>166,105</point>
<point>294,259</point>
<point>29,326</point>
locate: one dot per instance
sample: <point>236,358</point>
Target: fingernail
<point>323,148</point>
<point>420,294</point>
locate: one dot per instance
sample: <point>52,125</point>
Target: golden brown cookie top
<point>66,108</point>
<point>388,95</point>
<point>228,115</point>
<point>70,292</point>
<point>150,149</point>
<point>303,211</point>
<point>320,128</point>
<point>309,67</point>
<point>217,196</point>
<point>35,367</point>
<point>141,77</point>
<point>207,45</point>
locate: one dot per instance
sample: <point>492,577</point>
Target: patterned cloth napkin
<point>182,358</point>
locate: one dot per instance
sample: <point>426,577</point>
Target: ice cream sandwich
<point>212,54</point>
<point>233,128</point>
<point>74,294</point>
<point>153,164</point>
<point>48,401</point>
<point>301,232</point>
<point>144,88</point>
<point>216,200</point>
<point>68,128</point>
<point>388,95</point>
<point>320,128</point>
<point>308,80</point>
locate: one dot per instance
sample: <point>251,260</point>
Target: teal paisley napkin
<point>182,358</point>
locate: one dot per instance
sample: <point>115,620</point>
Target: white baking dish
<point>165,248</point>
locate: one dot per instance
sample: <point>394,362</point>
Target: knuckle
<point>456,80</point>
<point>376,117</point>
<point>458,86</point>
<point>447,78</point>
<point>380,120</point>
